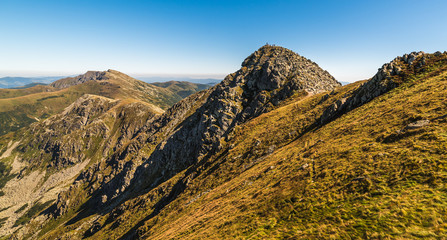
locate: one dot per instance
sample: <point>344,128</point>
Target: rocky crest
<point>388,77</point>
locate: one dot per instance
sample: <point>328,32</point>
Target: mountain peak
<point>266,52</point>
<point>272,67</point>
<point>71,81</point>
<point>89,76</point>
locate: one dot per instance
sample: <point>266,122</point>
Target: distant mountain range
<point>25,82</point>
<point>13,82</point>
<point>208,81</point>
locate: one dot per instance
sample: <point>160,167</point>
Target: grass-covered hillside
<point>377,172</point>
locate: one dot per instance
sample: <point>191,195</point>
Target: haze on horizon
<point>349,39</point>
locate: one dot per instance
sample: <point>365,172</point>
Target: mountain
<point>279,149</point>
<point>120,85</point>
<point>21,107</point>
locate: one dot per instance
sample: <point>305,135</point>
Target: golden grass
<point>348,179</point>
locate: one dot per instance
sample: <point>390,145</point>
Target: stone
<point>418,124</point>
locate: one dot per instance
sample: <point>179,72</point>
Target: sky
<point>210,38</point>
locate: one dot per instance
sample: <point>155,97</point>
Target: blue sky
<point>350,39</point>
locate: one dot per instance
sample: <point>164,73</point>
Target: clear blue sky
<point>350,39</point>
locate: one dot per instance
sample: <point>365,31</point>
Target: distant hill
<point>13,82</point>
<point>207,81</point>
<point>183,89</point>
<point>29,85</point>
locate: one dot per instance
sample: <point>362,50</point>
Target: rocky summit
<point>278,149</point>
<point>88,76</point>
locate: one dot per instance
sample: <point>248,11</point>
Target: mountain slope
<point>277,150</point>
<point>51,153</point>
<point>121,86</point>
<point>267,77</point>
<point>374,172</point>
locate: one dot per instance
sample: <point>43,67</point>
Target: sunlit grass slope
<point>363,175</point>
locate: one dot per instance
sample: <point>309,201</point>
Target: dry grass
<point>353,178</point>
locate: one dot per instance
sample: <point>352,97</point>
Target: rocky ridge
<point>388,77</point>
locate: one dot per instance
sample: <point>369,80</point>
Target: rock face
<point>274,68</point>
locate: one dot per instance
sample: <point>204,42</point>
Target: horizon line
<point>41,74</point>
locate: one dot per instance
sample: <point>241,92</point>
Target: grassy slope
<point>352,178</point>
